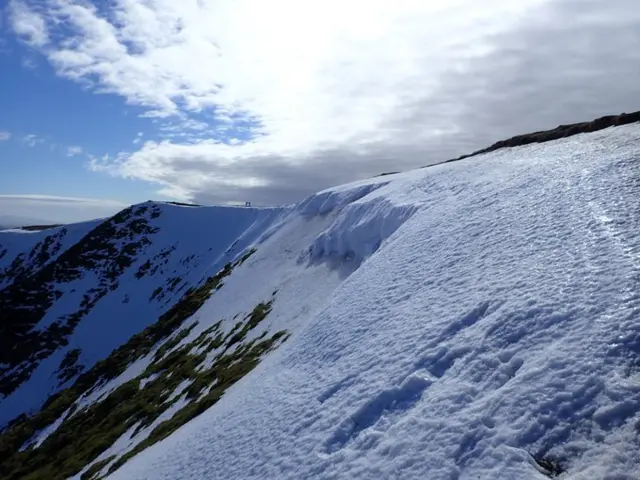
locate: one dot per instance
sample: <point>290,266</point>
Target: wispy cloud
<point>29,24</point>
<point>138,138</point>
<point>29,63</point>
<point>58,199</point>
<point>74,150</point>
<point>4,136</point>
<point>268,101</point>
<point>32,140</point>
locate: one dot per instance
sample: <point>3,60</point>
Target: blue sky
<point>103,104</point>
<point>48,118</point>
<point>52,125</point>
<point>53,129</point>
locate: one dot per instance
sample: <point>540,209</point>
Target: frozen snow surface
<point>463,319</point>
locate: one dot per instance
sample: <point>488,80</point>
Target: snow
<point>211,236</point>
<point>132,437</point>
<point>446,323</point>
<point>136,369</point>
<point>41,436</point>
<point>119,447</point>
<point>206,232</point>
<point>17,242</point>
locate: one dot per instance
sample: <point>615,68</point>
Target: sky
<point>108,103</point>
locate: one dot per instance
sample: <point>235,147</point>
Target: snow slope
<point>179,247</point>
<point>21,251</point>
<point>471,320</point>
<point>500,319</point>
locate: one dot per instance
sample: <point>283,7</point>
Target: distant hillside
<point>15,221</point>
<point>37,228</point>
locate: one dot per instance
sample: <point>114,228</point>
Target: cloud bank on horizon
<point>36,209</point>
<point>271,101</point>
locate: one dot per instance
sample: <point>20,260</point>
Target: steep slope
<point>64,290</point>
<point>26,251</point>
<point>477,319</point>
<point>493,335</point>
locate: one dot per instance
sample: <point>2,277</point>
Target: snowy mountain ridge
<point>59,281</point>
<point>476,319</point>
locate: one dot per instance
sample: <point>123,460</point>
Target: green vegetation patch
<point>96,467</point>
<point>89,432</point>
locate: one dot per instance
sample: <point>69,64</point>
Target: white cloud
<point>59,199</point>
<point>250,92</point>
<point>74,150</point>
<point>29,63</point>
<point>28,24</point>
<point>4,136</point>
<point>32,140</point>
<point>56,209</point>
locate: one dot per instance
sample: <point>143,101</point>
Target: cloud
<point>270,101</point>
<point>28,24</point>
<point>59,199</point>
<point>74,150</point>
<point>4,136</point>
<point>32,140</point>
<point>29,63</point>
<point>56,209</point>
<point>138,138</point>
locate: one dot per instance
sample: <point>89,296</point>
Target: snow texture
<point>447,323</point>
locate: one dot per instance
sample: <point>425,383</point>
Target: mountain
<point>473,319</point>
<point>14,221</point>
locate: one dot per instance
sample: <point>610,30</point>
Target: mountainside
<point>63,290</point>
<point>471,320</point>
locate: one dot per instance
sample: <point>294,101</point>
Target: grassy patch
<point>225,371</point>
<point>95,468</point>
<point>172,342</point>
<point>89,432</point>
<point>84,436</point>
